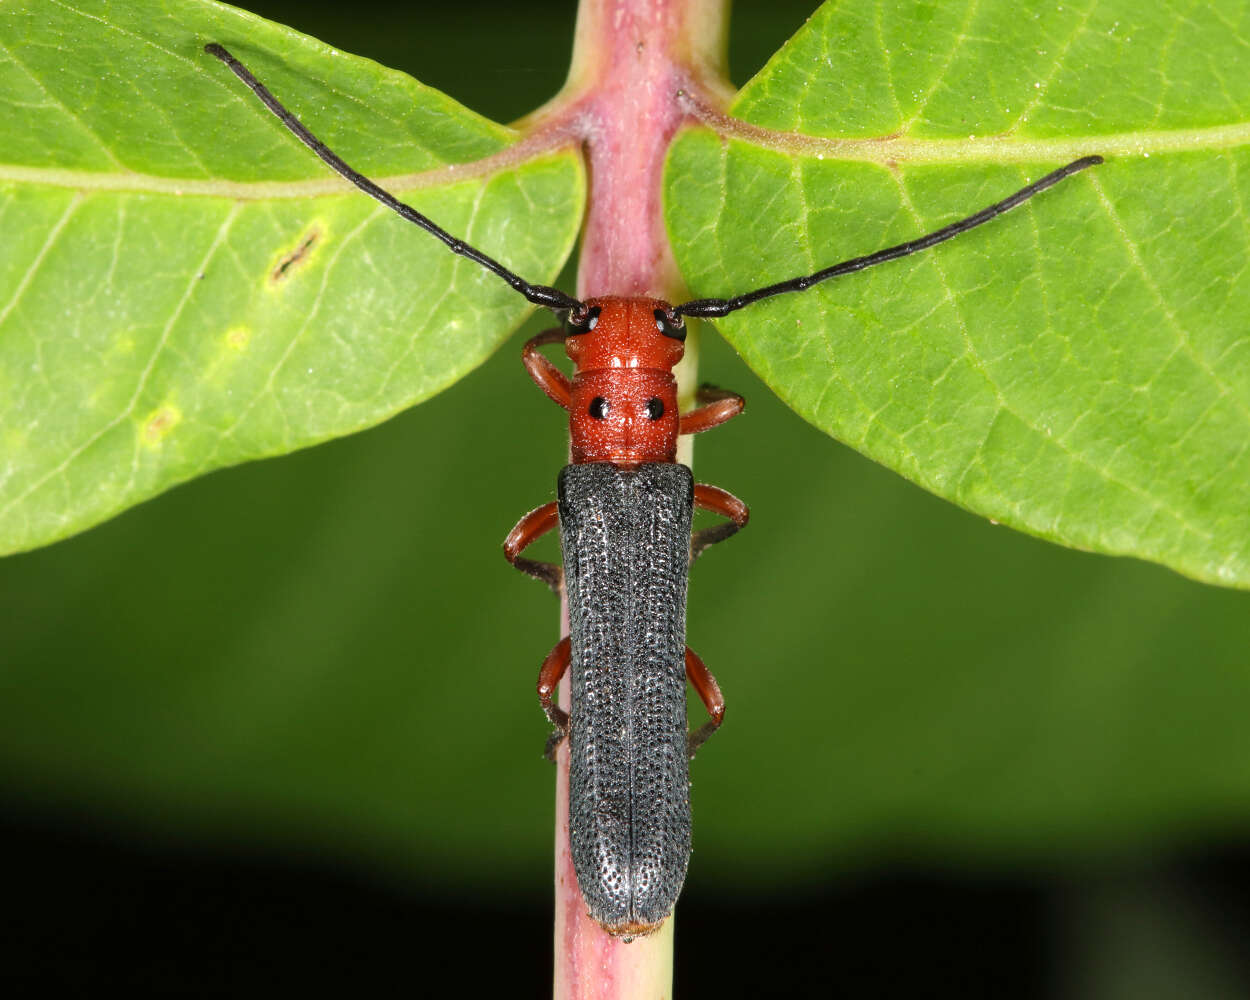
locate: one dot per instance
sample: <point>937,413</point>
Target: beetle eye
<point>655,409</point>
<point>582,320</point>
<point>670,324</point>
<point>599,407</point>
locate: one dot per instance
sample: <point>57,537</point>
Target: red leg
<point>549,674</point>
<point>529,529</point>
<point>547,376</point>
<point>709,693</point>
<point>715,407</point>
<point>718,501</point>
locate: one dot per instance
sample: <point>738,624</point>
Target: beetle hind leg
<point>549,674</point>
<point>705,685</point>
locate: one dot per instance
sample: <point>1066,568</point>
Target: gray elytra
<point>625,535</point>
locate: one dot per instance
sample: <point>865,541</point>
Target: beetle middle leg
<point>715,407</point>
<point>528,530</point>
<point>724,503</point>
<point>549,674</point>
<point>705,686</point>
<point>547,376</point>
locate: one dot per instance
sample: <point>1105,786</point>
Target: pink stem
<point>633,61</point>
<point>643,54</point>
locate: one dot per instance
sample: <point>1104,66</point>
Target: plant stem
<point>632,60</point>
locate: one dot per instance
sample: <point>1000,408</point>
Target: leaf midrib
<point>895,149</point>
<point>331,184</point>
<point>886,150</point>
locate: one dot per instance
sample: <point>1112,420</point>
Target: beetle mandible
<point>624,510</point>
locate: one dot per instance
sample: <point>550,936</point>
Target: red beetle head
<point>614,332</point>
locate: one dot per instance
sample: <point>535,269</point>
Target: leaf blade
<point>1056,370</point>
<point>183,304</point>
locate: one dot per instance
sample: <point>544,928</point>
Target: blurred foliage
<point>327,651</point>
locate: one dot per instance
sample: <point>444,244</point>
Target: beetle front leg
<point>529,529</point>
<point>724,503</point>
<point>547,376</point>
<point>715,407</point>
<point>549,675</point>
<point>705,686</point>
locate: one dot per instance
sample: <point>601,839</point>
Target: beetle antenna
<point>713,308</point>
<point>541,295</point>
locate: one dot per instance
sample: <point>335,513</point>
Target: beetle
<point>624,508</point>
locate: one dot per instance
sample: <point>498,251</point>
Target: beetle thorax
<point>624,416</point>
<point>624,398</point>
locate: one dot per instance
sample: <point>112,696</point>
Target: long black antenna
<point>720,307</point>
<point>541,295</point>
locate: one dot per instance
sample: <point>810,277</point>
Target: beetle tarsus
<point>698,737</point>
<point>549,573</point>
<point>554,739</point>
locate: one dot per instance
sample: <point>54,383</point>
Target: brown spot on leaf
<point>292,259</point>
<point>159,423</point>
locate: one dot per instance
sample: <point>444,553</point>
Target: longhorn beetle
<point>624,509</point>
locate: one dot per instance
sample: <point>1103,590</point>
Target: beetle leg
<point>547,376</point>
<point>549,675</point>
<point>722,502</point>
<point>709,693</point>
<point>715,407</point>
<point>529,529</point>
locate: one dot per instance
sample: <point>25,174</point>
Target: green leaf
<point>186,287</point>
<point>1078,369</point>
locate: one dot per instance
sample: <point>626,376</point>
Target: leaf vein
<point>1182,334</point>
<point>1039,93</point>
<point>1005,406</point>
<point>938,77</point>
<point>53,234</point>
<point>72,116</point>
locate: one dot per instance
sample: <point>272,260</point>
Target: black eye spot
<point>655,409</point>
<point>582,320</point>
<point>599,407</point>
<point>670,325</point>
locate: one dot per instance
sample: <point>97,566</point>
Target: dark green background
<point>325,656</point>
